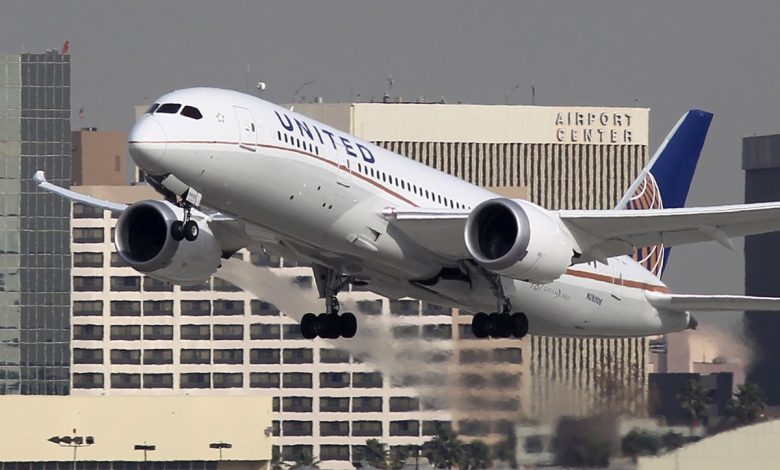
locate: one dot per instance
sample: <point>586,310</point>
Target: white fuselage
<point>319,193</point>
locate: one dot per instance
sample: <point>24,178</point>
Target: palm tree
<point>375,453</point>
<point>444,450</point>
<point>475,456</point>
<point>398,456</point>
<point>747,406</point>
<point>276,459</point>
<point>693,399</point>
<point>305,460</point>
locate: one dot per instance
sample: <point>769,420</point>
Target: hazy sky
<point>669,56</point>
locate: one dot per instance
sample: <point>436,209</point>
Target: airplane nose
<point>147,143</point>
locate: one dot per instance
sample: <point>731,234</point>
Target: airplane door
<point>345,168</point>
<point>247,130</point>
<point>616,268</point>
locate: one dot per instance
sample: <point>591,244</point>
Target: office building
<point>761,162</point>
<point>99,158</point>
<point>34,225</point>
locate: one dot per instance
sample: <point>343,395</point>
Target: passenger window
<point>193,113</point>
<point>169,108</point>
<point>152,108</point>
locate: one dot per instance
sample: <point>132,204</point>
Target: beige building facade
<point>99,158</point>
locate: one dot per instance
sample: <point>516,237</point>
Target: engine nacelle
<point>143,239</point>
<point>518,239</point>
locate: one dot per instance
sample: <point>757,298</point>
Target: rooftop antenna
<point>298,90</point>
<point>533,95</point>
<point>247,76</point>
<point>390,81</point>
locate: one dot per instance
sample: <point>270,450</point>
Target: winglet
<point>39,177</point>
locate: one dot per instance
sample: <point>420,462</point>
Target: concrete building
<point>99,158</point>
<point>761,162</point>
<point>177,432</point>
<point>563,158</point>
<point>34,225</point>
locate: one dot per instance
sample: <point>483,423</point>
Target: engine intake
<point>517,239</point>
<point>143,239</point>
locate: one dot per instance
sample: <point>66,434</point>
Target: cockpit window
<point>152,108</point>
<point>169,108</point>
<point>191,112</point>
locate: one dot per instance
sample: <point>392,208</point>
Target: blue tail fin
<point>665,181</point>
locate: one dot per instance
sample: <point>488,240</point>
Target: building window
<point>117,261</point>
<point>260,307</point>
<point>158,356</point>
<point>510,355</point>
<point>297,452</point>
<point>155,285</point>
<point>125,283</point>
<point>366,404</point>
<point>228,356</point>
<point>126,332</point>
<point>228,332</point>
<point>297,404</point>
<point>292,332</point>
<point>367,428</point>
<point>125,380</point>
<point>473,427</point>
<point>197,287</point>
<point>464,332</point>
<point>401,404</point>
<point>88,332</point>
<point>195,332</point>
<point>264,356</point>
<point>370,307</point>
<point>437,331</point>
<point>367,380</point>
<point>334,452</point>
<point>196,307</point>
<point>296,428</point>
<point>87,260</point>
<point>86,211</point>
<point>296,380</point>
<point>87,235</point>
<point>86,308</point>
<point>222,285</point>
<point>125,308</point>
<point>195,380</point>
<point>334,404</point>
<point>506,380</point>
<point>432,428</point>
<point>195,356</point>
<point>334,379</point>
<point>405,428</point>
<point>333,356</point>
<point>88,380</point>
<point>88,283</point>
<point>298,356</point>
<point>405,307</point>
<point>334,428</point>
<point>155,308</point>
<point>158,380</point>
<point>158,332</point>
<point>228,380</point>
<point>406,331</point>
<point>87,356</point>
<point>264,331</point>
<point>125,356</point>
<point>228,307</point>
<point>264,380</point>
<point>433,309</point>
<point>474,356</point>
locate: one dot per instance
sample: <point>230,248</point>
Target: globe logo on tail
<point>648,196</point>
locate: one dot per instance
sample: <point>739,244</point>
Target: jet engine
<point>143,239</point>
<point>519,240</point>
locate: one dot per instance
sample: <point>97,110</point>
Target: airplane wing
<point>605,233</point>
<point>439,230</point>
<point>692,302</point>
<point>229,232</point>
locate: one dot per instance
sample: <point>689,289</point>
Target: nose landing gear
<point>187,229</point>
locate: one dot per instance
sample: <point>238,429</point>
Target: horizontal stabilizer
<point>686,302</point>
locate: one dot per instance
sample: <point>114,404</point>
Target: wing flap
<point>438,230</point>
<point>692,302</point>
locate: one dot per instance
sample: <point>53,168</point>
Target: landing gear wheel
<point>348,325</point>
<point>191,230</point>
<point>519,325</point>
<point>177,230</point>
<point>309,326</point>
<point>328,325</point>
<point>479,325</point>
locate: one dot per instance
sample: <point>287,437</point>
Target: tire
<point>519,325</point>
<point>191,230</point>
<point>493,325</point>
<point>177,230</point>
<point>309,326</point>
<point>479,325</point>
<point>328,325</point>
<point>347,325</point>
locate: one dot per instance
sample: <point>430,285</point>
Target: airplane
<point>236,171</point>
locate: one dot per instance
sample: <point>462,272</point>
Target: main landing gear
<point>331,324</point>
<point>503,323</point>
<point>187,229</point>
